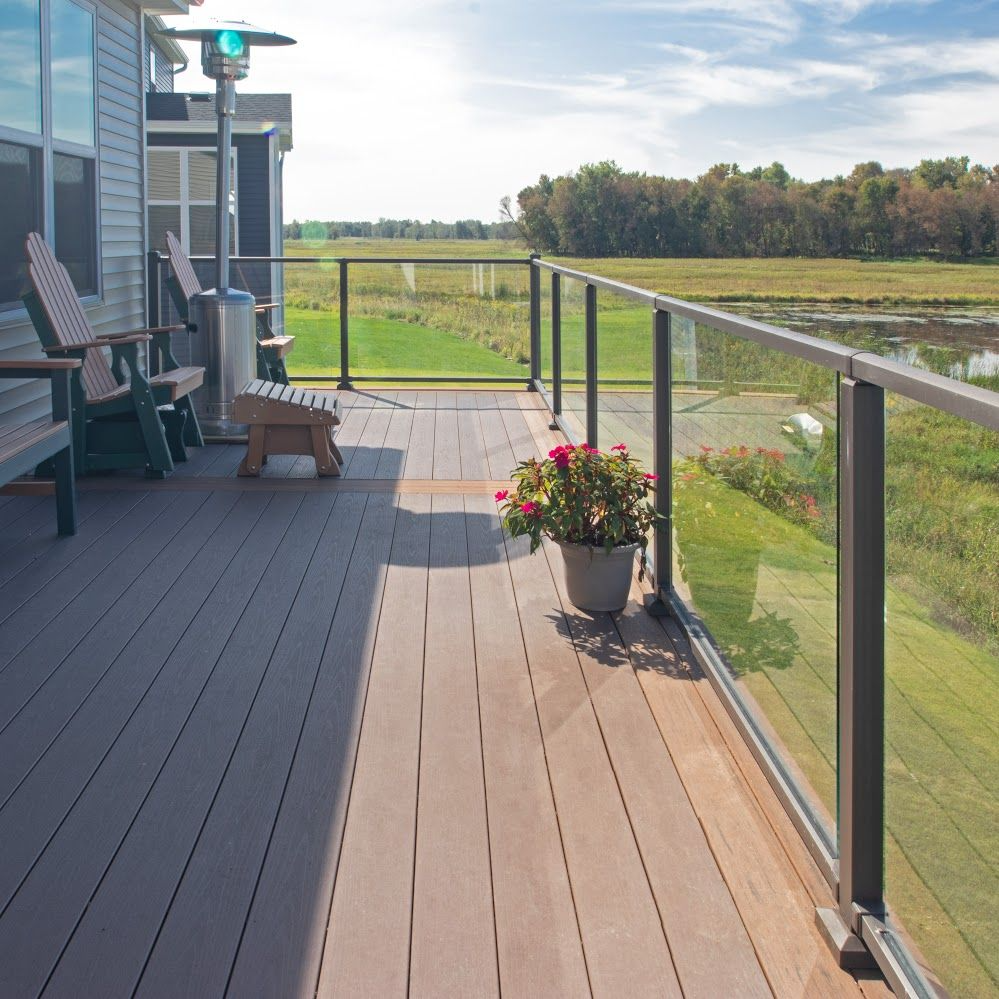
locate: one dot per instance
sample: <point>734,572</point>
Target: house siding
<point>163,82</point>
<point>122,214</point>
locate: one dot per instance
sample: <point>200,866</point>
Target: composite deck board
<point>370,446</point>
<point>471,446</point>
<point>420,456</point>
<point>447,457</point>
<point>711,950</point>
<point>112,941</point>
<point>626,949</point>
<point>750,858</point>
<point>537,936</point>
<point>31,649</point>
<point>198,940</point>
<point>392,461</point>
<point>454,938</point>
<point>59,699</point>
<point>38,557</point>
<point>367,946</point>
<point>51,900</point>
<point>264,743</point>
<point>282,945</point>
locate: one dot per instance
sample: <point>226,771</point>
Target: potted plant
<point>595,507</point>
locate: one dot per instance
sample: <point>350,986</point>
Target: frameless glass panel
<point>72,73</point>
<point>440,320</point>
<point>163,219</point>
<point>75,224</point>
<point>574,356</point>
<point>545,289</point>
<point>755,537</point>
<point>21,214</point>
<point>624,374</point>
<point>310,296</point>
<point>942,691</point>
<point>201,230</point>
<point>201,175</point>
<point>21,66</point>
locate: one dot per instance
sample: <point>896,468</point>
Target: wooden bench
<point>286,420</point>
<point>25,446</point>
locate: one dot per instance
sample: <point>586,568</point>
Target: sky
<point>435,109</point>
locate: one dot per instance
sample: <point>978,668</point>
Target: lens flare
<point>230,44</point>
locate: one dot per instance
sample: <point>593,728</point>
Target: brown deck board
<point>626,949</point>
<point>284,935</point>
<point>454,940</point>
<point>59,887</point>
<point>290,736</point>
<point>367,946</point>
<point>711,950</point>
<point>537,935</point>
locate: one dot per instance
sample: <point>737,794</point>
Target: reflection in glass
<point>21,66</point>
<point>21,214</point>
<point>75,224</point>
<point>72,73</point>
<point>202,230</point>
<point>755,541</point>
<point>942,691</point>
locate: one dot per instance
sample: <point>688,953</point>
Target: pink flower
<point>651,477</point>
<point>530,508</point>
<point>561,456</point>
<point>588,449</point>
<point>620,447</point>
<point>502,495</point>
<point>706,449</point>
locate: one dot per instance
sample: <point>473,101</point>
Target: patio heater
<point>223,318</point>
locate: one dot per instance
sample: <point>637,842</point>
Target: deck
<point>287,737</point>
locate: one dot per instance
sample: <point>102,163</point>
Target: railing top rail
<point>948,394</point>
<point>618,287</point>
<point>518,261</point>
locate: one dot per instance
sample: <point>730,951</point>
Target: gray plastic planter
<point>598,580</point>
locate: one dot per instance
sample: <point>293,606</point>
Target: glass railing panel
<point>942,691</point>
<point>440,321</point>
<point>755,538</point>
<point>545,296</point>
<point>574,356</point>
<point>309,296</point>
<point>624,375</point>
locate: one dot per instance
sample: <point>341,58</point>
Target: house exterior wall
<point>161,80</point>
<point>121,305</point>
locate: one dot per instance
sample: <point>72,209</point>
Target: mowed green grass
<point>766,590</point>
<point>390,347</point>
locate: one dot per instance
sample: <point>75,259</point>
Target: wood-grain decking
<point>355,742</point>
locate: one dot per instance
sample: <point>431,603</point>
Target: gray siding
<point>163,83</point>
<point>120,88</point>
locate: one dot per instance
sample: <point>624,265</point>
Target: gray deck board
<point>263,737</point>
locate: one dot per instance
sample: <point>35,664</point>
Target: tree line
<point>401,229</point>
<point>946,207</point>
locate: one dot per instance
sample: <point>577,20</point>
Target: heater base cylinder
<point>224,343</point>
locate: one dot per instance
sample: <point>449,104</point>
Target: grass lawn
<point>766,590</point>
<point>388,346</point>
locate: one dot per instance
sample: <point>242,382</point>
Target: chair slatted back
<point>65,315</point>
<point>183,269</point>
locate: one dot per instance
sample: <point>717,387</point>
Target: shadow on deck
<point>279,736</point>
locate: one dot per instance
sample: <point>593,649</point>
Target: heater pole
<point>225,106</point>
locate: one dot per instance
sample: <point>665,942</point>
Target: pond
<point>961,343</point>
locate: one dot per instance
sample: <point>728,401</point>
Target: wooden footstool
<point>286,420</point>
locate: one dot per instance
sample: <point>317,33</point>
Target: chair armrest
<point>267,307</point>
<point>93,344</point>
<point>39,368</point>
<point>149,332</point>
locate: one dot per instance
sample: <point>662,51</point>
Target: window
<point>182,199</point>
<point>48,140</point>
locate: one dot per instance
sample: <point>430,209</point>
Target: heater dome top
<point>228,33</point>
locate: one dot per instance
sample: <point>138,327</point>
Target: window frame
<point>51,146</point>
<point>186,201</point>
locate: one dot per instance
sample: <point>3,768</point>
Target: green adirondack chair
<point>183,285</point>
<point>120,418</point>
